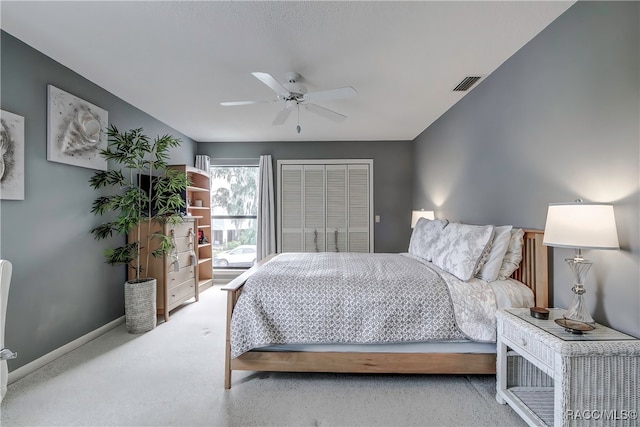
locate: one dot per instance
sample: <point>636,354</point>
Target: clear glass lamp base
<point>578,310</point>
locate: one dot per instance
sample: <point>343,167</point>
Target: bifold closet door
<point>325,207</point>
<point>291,208</point>
<point>336,230</point>
<point>358,208</point>
<point>314,208</point>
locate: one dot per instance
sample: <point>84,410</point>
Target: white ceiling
<point>177,60</point>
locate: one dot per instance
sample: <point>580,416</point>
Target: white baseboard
<point>25,370</point>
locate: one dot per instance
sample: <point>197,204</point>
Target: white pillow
<point>460,248</point>
<point>513,257</point>
<point>491,267</point>
<point>425,234</point>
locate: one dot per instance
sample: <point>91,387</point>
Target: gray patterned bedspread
<point>314,298</point>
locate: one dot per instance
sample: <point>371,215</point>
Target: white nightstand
<point>552,377</point>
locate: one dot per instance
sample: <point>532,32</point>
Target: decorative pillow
<point>491,268</point>
<point>460,248</point>
<point>513,256</point>
<point>425,235</point>
<point>484,256</point>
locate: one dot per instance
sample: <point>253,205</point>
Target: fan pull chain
<point>298,128</point>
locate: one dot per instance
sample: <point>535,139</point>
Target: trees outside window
<point>234,199</point>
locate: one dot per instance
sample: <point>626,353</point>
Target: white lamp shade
<point>416,215</point>
<point>581,225</point>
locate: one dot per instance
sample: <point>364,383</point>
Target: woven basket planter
<point>140,306</point>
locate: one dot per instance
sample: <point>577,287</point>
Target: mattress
<point>510,293</point>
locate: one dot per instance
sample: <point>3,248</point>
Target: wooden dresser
<point>176,272</point>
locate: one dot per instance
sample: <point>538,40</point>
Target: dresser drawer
<point>181,293</point>
<point>184,244</point>
<point>524,342</point>
<point>185,260</point>
<point>175,278</point>
<point>182,230</point>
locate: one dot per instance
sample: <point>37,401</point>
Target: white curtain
<point>203,162</point>
<point>266,210</point>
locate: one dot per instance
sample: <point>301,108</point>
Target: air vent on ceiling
<point>466,84</point>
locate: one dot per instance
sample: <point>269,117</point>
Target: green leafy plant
<point>146,190</point>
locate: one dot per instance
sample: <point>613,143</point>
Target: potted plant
<point>145,190</point>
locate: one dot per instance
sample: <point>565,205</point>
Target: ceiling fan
<point>293,94</point>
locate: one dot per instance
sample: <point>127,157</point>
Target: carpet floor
<point>173,376</point>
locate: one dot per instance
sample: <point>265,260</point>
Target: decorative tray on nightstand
<point>574,326</point>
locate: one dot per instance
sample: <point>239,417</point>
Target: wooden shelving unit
<point>199,192</point>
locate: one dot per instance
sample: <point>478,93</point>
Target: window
<point>234,198</point>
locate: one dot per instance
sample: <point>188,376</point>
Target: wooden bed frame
<point>533,272</point>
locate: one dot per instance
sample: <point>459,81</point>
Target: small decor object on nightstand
<point>539,313</point>
<point>580,226</point>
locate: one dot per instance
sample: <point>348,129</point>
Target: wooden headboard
<point>534,268</point>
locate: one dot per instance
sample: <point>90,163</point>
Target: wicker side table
<point>552,377</point>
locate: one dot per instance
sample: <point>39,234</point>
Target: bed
<point>440,351</point>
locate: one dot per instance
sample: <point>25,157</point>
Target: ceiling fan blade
<point>343,92</point>
<point>324,112</point>
<point>282,116</point>
<point>235,103</point>
<point>267,79</point>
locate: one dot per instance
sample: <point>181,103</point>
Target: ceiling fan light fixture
<point>293,92</point>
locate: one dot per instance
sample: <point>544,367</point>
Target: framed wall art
<point>76,130</point>
<point>11,156</point>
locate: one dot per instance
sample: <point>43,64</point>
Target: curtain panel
<point>266,239</point>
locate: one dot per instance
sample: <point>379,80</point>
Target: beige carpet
<point>173,376</point>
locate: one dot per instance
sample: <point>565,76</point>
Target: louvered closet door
<point>358,208</point>
<point>325,206</point>
<point>291,208</point>
<point>336,230</point>
<point>314,208</point>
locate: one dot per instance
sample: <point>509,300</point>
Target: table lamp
<point>416,215</point>
<point>580,226</point>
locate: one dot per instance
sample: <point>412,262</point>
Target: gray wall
<point>61,287</point>
<point>391,168</point>
<point>557,121</point>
